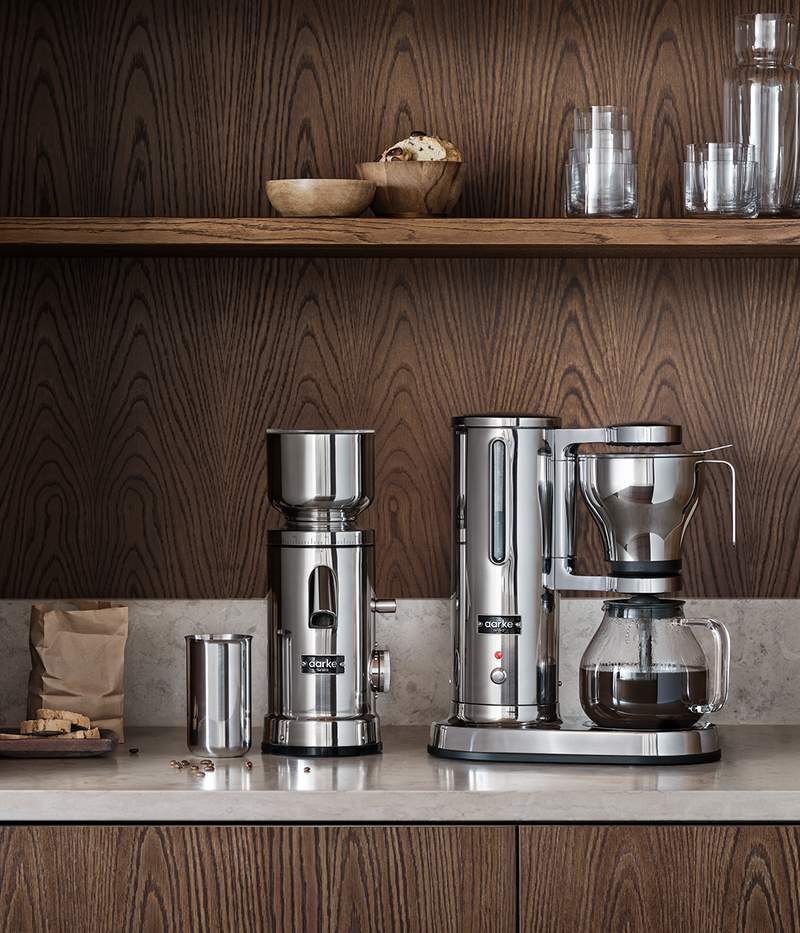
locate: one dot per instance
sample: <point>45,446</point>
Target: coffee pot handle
<point>733,489</point>
<point>722,662</point>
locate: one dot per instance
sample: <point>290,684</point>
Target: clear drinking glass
<point>601,189</point>
<point>720,180</point>
<point>761,101</point>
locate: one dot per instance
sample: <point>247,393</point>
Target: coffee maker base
<point>574,745</point>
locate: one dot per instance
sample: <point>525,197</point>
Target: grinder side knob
<point>380,672</point>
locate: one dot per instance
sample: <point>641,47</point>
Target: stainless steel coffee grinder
<point>515,492</point>
<point>324,667</point>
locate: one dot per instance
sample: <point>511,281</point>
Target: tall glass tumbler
<point>762,105</point>
<point>218,695</point>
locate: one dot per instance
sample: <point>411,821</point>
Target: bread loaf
<point>419,147</point>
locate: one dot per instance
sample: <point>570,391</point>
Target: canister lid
<point>643,607</point>
<point>323,432</point>
<point>505,420</point>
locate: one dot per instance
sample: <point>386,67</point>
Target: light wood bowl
<point>320,197</point>
<point>414,189</point>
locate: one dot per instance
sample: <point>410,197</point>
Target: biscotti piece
<point>45,725</point>
<point>75,718</point>
<point>81,734</point>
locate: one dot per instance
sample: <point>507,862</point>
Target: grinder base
<point>316,751</point>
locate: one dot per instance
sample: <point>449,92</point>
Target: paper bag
<point>78,660</point>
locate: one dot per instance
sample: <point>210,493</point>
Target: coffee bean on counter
<point>306,769</point>
<point>133,751</point>
<point>195,768</point>
<point>185,763</point>
<point>199,774</point>
<point>249,765</point>
<point>206,761</point>
<point>210,768</point>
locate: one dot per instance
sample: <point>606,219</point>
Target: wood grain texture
<point>188,108</point>
<point>371,237</point>
<point>135,390</point>
<point>659,879</point>
<point>134,397</point>
<point>116,879</point>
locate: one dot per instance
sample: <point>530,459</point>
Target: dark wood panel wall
<point>134,394</point>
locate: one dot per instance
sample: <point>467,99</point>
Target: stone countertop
<point>758,779</point>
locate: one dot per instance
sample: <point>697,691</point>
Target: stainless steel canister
<point>218,694</point>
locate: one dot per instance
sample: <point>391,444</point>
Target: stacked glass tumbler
<point>601,173</point>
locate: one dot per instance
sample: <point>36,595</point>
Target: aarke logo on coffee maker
<point>645,681</point>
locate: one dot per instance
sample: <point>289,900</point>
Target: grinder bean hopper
<point>324,667</point>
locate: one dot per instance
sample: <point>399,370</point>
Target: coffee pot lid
<point>643,607</point>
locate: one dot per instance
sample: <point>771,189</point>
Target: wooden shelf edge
<point>386,237</point>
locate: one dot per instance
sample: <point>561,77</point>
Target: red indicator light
<point>498,654</point>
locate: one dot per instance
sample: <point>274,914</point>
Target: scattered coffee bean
<point>199,774</point>
<point>249,765</point>
<point>195,768</point>
<point>210,768</point>
<point>206,761</point>
<point>185,763</point>
<point>133,751</point>
<point>306,769</point>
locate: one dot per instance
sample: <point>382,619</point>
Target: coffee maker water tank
<point>504,617</point>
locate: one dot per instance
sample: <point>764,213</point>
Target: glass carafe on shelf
<point>644,668</point>
<point>761,101</point>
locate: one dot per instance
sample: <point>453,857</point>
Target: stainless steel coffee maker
<point>515,493</point>
<point>324,667</point>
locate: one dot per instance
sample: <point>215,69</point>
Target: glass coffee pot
<point>645,669</point>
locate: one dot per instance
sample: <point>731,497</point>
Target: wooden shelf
<point>384,237</point>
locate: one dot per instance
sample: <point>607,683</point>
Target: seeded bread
<point>75,718</point>
<point>45,725</point>
<point>419,147</point>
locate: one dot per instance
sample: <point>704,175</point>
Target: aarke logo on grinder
<point>499,625</point>
<point>322,663</point>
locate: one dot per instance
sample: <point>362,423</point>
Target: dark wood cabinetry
<point>275,879</point>
<point>659,879</point>
<point>403,879</point>
<point>135,388</point>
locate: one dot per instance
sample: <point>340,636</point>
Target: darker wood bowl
<point>414,189</point>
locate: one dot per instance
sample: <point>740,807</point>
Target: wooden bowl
<point>414,189</point>
<point>320,197</point>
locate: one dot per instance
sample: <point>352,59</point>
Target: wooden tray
<point>57,748</point>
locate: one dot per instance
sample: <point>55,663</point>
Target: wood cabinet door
<point>659,879</point>
<point>243,879</point>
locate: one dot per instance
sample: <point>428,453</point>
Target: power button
<point>498,676</point>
